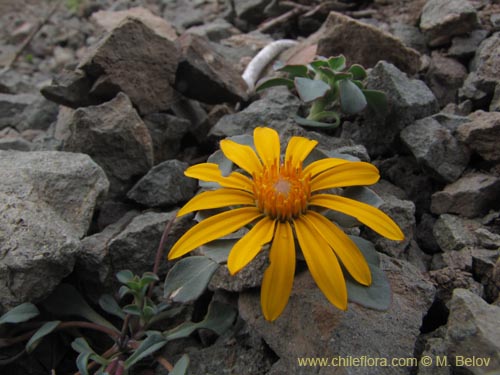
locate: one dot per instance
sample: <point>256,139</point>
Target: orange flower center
<point>282,193</point>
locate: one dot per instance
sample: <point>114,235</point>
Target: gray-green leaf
<point>188,278</point>
<point>43,331</point>
<point>218,319</point>
<point>109,304</point>
<point>352,99</point>
<point>150,345</point>
<point>19,314</point>
<point>310,89</point>
<point>181,366</point>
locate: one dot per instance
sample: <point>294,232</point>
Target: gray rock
<point>215,31</point>
<point>404,172</point>
<point>424,235</point>
<point>70,88</point>
<point>470,196</point>
<point>464,47</point>
<point>434,348</point>
<point>131,243</point>
<point>134,59</point>
<point>483,266</point>
<point>47,201</point>
<point>485,72</point>
<point>473,324</point>
<point>337,33</point>
<point>109,20</point>
<point>248,277</point>
<point>454,233</point>
<point>442,19</point>
<point>166,132</point>
<point>450,121</point>
<point>448,279</point>
<point>495,281</point>
<point>25,111</point>
<point>115,137</point>
<point>275,110</point>
<point>482,134</point>
<point>403,213</point>
<point>310,325</point>
<point>409,99</point>
<point>410,35</point>
<point>458,260</point>
<point>164,185</point>
<point>444,77</point>
<point>495,101</point>
<point>202,67</point>
<point>487,239</point>
<point>15,143</point>
<point>435,149</point>
<point>251,11</point>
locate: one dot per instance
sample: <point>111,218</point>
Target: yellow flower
<point>282,199</point>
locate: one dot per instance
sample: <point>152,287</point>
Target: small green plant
<point>330,88</point>
<point>136,336</point>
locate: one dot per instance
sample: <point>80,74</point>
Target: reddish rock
<point>482,134</point>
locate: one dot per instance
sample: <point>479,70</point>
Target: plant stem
<point>159,251</point>
<point>162,361</point>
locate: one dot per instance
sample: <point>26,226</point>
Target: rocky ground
<point>100,114</point>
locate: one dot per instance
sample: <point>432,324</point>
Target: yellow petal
<point>345,249</point>
<point>319,166</point>
<point>298,149</point>
<point>212,228</point>
<point>250,244</point>
<point>267,144</point>
<point>242,155</point>
<point>278,277</point>
<point>323,264</point>
<point>210,172</point>
<point>350,174</point>
<point>216,199</point>
<point>368,215</point>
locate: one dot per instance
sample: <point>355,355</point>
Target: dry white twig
<point>255,68</point>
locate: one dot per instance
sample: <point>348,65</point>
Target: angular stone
<point>449,279</point>
<point>443,19</point>
<point>70,88</point>
<point>164,185</point>
<point>454,233</point>
<point>435,149</point>
<point>311,325</point>
<point>15,143</point>
<point>444,77</point>
<point>215,31</point>
<point>409,99</point>
<point>434,348</point>
<point>166,132</point>
<point>130,243</point>
<point>115,137</point>
<point>483,267</point>
<point>12,108</point>
<point>470,196</point>
<point>47,200</point>
<point>251,11</point>
<point>482,134</point>
<point>403,213</point>
<point>473,324</point>
<point>424,235</point>
<point>484,72</point>
<point>275,109</point>
<point>109,20</point>
<point>464,47</point>
<point>203,74</point>
<point>337,33</point>
<point>134,59</point>
<point>410,35</point>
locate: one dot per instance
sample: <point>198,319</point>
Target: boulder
<point>134,59</point>
<point>436,149</point>
<point>164,185</point>
<point>115,137</point>
<point>482,134</point>
<point>470,196</point>
<point>336,37</point>
<point>473,331</point>
<point>310,325</point>
<point>47,200</point>
<point>205,75</point>
<point>442,19</point>
<point>409,100</point>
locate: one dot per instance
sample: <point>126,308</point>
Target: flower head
<point>281,198</point>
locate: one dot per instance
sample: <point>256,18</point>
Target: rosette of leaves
<point>136,336</point>
<point>378,295</point>
<point>330,88</point>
